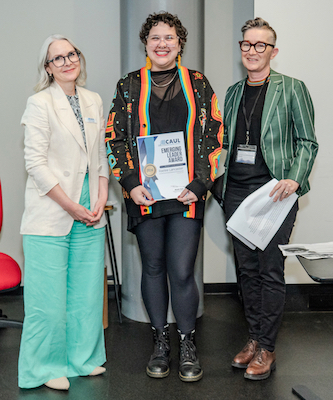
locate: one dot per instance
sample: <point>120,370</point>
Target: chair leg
<point>9,323</point>
<point>113,262</point>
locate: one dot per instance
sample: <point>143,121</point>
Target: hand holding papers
<point>163,164</point>
<point>258,217</point>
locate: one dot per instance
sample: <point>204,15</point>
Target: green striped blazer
<point>288,141</point>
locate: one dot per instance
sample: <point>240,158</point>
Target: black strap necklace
<point>248,121</point>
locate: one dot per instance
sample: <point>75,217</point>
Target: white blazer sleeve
<point>103,162</point>
<point>36,140</point>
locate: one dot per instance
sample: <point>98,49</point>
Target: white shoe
<point>58,383</point>
<point>97,371</point>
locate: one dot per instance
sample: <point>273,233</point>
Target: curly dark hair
<point>167,18</point>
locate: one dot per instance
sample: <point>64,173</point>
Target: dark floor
<point>304,356</point>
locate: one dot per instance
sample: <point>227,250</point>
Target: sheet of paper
<point>310,251</point>
<point>258,217</point>
<point>241,238</point>
<point>163,164</point>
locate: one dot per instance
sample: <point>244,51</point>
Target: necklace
<point>248,121</point>
<point>166,84</point>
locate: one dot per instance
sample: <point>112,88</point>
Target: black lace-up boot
<point>158,365</point>
<point>189,366</point>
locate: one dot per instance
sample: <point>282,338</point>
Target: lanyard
<point>249,121</point>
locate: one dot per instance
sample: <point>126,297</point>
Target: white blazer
<point>55,154</point>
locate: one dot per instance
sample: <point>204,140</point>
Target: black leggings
<point>168,247</point>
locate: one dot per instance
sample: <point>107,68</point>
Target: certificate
<point>258,217</point>
<point>163,164</point>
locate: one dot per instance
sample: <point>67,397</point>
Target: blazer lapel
<point>235,106</point>
<point>88,113</point>
<point>272,98</point>
<point>65,113</point>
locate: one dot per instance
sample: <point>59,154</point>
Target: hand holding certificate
<point>258,217</point>
<point>163,164</point>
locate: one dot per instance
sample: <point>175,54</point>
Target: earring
<point>51,76</point>
<point>148,63</point>
<point>179,60</point>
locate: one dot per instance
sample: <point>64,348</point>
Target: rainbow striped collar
<point>258,83</point>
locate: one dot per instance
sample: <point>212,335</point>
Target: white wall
<point>24,25</point>
<point>303,38</point>
<point>304,29</point>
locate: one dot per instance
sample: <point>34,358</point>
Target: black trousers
<point>168,247</point>
<point>261,273</point>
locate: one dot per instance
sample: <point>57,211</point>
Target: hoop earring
<point>148,63</point>
<point>179,60</point>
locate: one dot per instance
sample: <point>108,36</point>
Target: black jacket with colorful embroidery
<point>128,119</point>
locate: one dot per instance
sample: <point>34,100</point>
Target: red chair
<point>10,278</point>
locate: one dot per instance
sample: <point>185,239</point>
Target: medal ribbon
<point>147,149</point>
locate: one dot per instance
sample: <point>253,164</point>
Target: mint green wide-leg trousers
<point>63,302</point>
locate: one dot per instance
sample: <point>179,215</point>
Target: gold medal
<point>149,170</point>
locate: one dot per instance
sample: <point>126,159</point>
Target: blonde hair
<point>258,23</point>
<point>44,79</point>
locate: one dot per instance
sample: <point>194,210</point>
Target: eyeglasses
<point>169,40</point>
<point>59,61</point>
<point>259,47</point>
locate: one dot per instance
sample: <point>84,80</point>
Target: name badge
<point>90,120</point>
<point>246,154</point>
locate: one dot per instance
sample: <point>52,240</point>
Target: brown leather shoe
<point>261,365</point>
<point>243,358</point>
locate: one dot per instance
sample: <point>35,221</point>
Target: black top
<point>257,173</point>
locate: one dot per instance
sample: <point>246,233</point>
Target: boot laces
<point>187,351</point>
<point>161,346</point>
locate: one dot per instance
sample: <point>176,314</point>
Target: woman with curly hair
<point>160,98</point>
